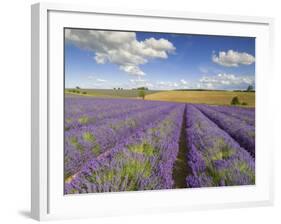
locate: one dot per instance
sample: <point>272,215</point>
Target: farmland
<point>203,97</point>
<point>109,93</point>
<point>117,144</point>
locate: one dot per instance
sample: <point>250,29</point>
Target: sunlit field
<point>204,97</point>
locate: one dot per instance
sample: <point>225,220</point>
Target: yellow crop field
<point>204,97</point>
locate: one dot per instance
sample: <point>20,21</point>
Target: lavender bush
<point>126,145</point>
<point>243,133</point>
<point>214,157</point>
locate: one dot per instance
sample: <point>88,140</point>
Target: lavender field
<point>114,145</point>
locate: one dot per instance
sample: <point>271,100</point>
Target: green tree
<point>142,88</point>
<point>142,94</point>
<point>235,101</point>
<point>250,88</point>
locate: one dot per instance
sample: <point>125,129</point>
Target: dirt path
<point>181,168</point>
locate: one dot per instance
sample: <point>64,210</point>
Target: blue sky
<point>110,59</point>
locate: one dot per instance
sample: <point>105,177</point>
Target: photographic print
<point>152,111</point>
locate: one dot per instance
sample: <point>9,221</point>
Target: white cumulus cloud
<point>233,58</point>
<point>226,81</point>
<point>120,48</point>
<point>183,82</point>
<point>159,85</point>
<point>167,85</point>
<point>100,80</point>
<point>141,83</point>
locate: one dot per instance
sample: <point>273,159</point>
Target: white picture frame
<point>47,198</point>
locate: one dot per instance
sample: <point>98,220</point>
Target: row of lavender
<point>123,145</point>
<point>83,110</point>
<point>91,139</point>
<point>134,149</point>
<point>235,123</point>
<point>221,149</point>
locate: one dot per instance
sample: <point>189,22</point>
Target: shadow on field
<point>181,168</point>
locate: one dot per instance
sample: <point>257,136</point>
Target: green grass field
<point>204,97</point>
<point>110,93</point>
<point>201,97</point>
